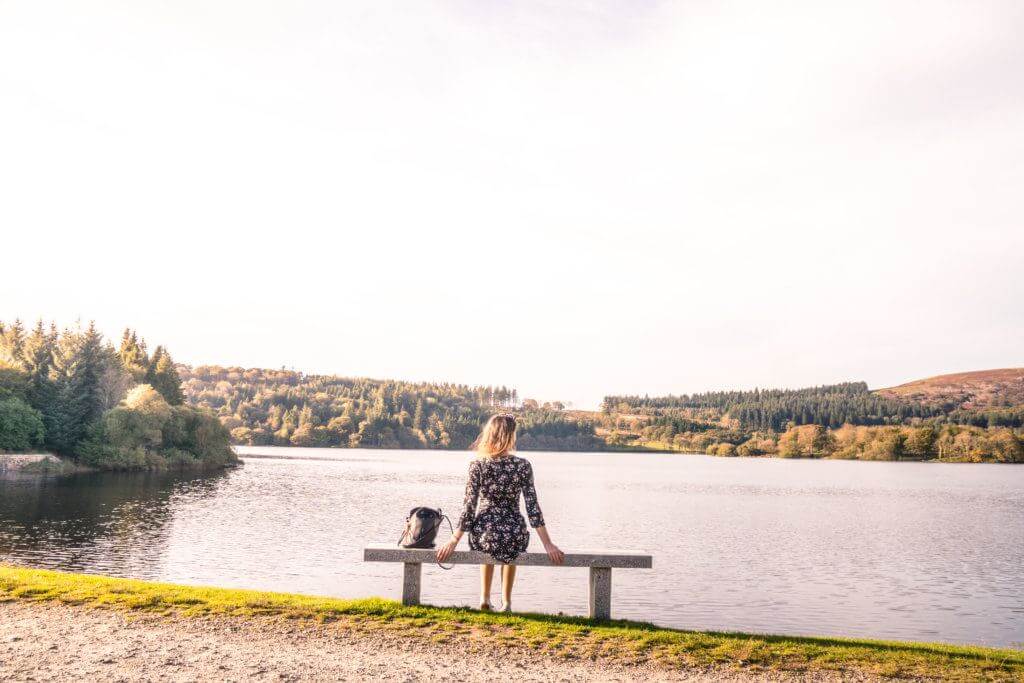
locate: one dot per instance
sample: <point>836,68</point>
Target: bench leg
<point>600,592</point>
<point>411,583</point>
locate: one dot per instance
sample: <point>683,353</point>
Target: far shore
<point>607,451</point>
<point>48,464</point>
<point>38,463</point>
<point>99,628</point>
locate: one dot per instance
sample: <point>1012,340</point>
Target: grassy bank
<point>618,641</point>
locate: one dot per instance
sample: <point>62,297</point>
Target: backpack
<point>421,527</point>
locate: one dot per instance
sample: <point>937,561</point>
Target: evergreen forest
<point>73,393</point>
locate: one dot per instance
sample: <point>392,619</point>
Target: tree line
<point>830,405</point>
<point>284,407</point>
<point>841,420</point>
<point>73,393</point>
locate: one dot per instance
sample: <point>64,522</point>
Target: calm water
<point>888,550</point>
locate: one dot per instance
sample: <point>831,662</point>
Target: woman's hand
<point>554,553</point>
<point>445,551</point>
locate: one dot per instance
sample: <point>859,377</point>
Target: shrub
<point>920,442</point>
<point>1004,446</point>
<point>726,449</point>
<point>789,445</point>
<point>815,440</point>
<point>886,444</point>
<point>242,435</point>
<point>755,446</point>
<point>148,432</point>
<point>21,426</point>
<point>13,383</point>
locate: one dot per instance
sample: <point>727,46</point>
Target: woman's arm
<point>537,517</point>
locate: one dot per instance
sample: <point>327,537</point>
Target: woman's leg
<point>508,577</point>
<point>486,574</point>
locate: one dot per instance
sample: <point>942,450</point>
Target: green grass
<point>621,642</point>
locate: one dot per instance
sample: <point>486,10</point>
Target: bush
<point>920,442</point>
<point>242,435</point>
<point>147,432</point>
<point>1005,446</point>
<point>789,445</point>
<point>885,444</point>
<point>21,426</point>
<point>726,450</point>
<point>12,382</point>
<point>127,428</point>
<point>756,446</point>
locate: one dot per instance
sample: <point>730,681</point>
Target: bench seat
<point>600,562</point>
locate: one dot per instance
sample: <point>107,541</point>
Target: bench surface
<point>383,552</point>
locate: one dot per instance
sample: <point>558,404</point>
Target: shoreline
<point>938,461</point>
<point>48,464</point>
<point>39,464</point>
<point>594,649</point>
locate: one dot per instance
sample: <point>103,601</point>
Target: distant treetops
<point>73,393</point>
<point>287,408</point>
<point>159,371</point>
<point>839,420</point>
<point>830,405</point>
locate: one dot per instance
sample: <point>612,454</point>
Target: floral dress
<point>497,527</point>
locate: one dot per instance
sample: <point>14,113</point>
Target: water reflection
<point>110,522</point>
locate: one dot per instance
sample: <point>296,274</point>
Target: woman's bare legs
<point>486,574</point>
<point>508,577</point>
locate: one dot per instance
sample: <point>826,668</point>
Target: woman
<point>498,528</point>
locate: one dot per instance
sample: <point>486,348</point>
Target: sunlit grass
<point>621,642</point>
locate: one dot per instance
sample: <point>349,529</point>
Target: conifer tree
<point>38,365</point>
<point>78,370</point>
<point>418,420</point>
<point>12,344</point>
<point>150,375</point>
<point>163,377</point>
<point>133,355</point>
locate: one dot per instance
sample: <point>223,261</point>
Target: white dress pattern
<point>497,527</point>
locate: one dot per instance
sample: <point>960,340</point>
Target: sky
<point>573,198</point>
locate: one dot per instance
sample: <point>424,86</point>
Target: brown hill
<point>979,389</point>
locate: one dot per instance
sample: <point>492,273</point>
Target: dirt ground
<point>55,642</point>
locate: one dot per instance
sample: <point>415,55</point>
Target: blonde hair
<point>498,436</point>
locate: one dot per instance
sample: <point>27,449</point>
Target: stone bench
<point>600,563</point>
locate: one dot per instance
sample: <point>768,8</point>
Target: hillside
<point>968,416</point>
<point>286,408</point>
<point>965,390</point>
<point>848,420</point>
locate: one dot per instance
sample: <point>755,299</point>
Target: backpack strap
<point>451,530</point>
<point>405,532</point>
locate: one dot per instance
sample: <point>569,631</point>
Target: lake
<point>911,551</point>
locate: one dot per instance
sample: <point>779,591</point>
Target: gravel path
<point>54,642</point>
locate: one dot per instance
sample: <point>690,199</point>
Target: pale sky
<point>574,199</point>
